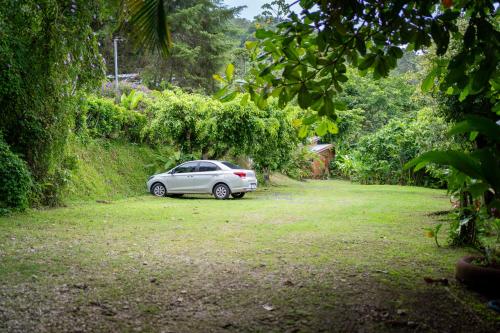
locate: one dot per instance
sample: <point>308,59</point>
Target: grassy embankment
<point>108,170</point>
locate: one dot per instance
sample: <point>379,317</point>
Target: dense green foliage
<point>308,54</point>
<point>195,126</point>
<point>386,123</point>
<point>48,52</point>
<point>380,157</point>
<point>102,118</point>
<point>306,57</point>
<point>203,127</point>
<point>199,41</point>
<point>15,180</point>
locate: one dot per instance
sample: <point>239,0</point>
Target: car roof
<point>208,161</point>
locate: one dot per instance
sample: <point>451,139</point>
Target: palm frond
<point>149,24</point>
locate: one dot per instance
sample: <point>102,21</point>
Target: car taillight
<point>240,174</point>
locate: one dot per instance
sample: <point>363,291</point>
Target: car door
<point>181,179</point>
<point>204,178</point>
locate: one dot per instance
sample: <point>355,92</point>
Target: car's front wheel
<point>159,190</point>
<point>238,195</point>
<point>221,191</point>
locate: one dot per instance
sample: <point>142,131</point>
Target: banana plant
<point>482,166</point>
<point>132,100</point>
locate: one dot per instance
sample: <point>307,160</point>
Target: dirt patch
<point>240,298</point>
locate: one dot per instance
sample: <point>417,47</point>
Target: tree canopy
<point>307,56</point>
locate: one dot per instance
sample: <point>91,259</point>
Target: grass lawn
<point>314,256</point>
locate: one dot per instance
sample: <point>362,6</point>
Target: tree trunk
<point>467,231</point>
<point>265,172</point>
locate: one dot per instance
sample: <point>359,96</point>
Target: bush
<point>50,192</point>
<point>179,118</point>
<point>207,128</point>
<point>299,166</point>
<point>379,157</point>
<point>15,180</point>
<point>133,124</point>
<point>108,88</point>
<point>102,118</point>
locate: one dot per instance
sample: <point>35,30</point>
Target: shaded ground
<point>306,257</point>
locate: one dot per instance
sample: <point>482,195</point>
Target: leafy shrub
<point>203,127</point>
<point>379,157</point>
<point>299,165</point>
<point>133,124</point>
<point>49,192</point>
<point>382,155</point>
<point>15,180</point>
<point>178,118</point>
<point>108,88</point>
<point>102,118</point>
<point>132,100</point>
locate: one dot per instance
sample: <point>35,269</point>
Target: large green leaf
<point>428,82</point>
<point>219,78</point>
<point>367,61</point>
<point>322,129</point>
<point>229,97</point>
<point>303,131</point>
<point>221,92</point>
<point>262,33</point>
<point>478,189</point>
<point>304,98</point>
<point>459,160</point>
<point>332,127</point>
<point>490,166</point>
<point>229,72</point>
<point>482,125</point>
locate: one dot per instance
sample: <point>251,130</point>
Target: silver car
<point>220,178</point>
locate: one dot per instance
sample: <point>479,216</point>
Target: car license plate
<point>253,186</point>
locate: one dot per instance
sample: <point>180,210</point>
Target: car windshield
<point>231,165</point>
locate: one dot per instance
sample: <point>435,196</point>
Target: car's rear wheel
<point>158,190</point>
<point>238,195</point>
<point>221,191</point>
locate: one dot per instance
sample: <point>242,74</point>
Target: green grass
<point>108,170</point>
<point>325,255</point>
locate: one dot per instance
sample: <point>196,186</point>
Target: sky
<point>253,6</point>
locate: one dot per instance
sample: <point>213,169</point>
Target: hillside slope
<point>107,170</point>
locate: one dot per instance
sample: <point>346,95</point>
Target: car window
<point>185,168</point>
<point>231,165</point>
<point>207,166</point>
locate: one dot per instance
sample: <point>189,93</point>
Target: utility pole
<point>115,42</point>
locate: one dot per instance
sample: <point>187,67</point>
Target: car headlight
<point>150,177</point>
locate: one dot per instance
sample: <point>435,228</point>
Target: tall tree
<point>48,52</point>
<point>273,12</point>
<point>197,40</point>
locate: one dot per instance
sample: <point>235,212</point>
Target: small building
<point>325,152</point>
